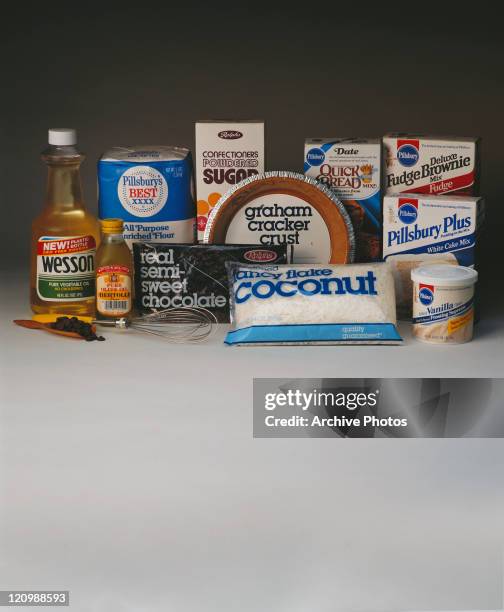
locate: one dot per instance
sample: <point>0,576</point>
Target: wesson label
<point>65,268</point>
<point>113,290</point>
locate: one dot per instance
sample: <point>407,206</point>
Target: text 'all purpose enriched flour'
<point>151,190</point>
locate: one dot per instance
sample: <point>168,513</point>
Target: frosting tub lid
<point>444,275</point>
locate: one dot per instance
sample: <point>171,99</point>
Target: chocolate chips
<point>77,326</point>
<point>192,276</point>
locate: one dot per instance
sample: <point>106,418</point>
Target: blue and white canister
<point>151,190</point>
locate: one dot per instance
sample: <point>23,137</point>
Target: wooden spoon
<point>29,324</point>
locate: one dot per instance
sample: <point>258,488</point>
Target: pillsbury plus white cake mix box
<point>423,229</point>
<point>151,189</point>
<point>351,167</point>
<point>416,163</point>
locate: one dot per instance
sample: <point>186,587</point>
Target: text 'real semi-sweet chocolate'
<point>193,276</point>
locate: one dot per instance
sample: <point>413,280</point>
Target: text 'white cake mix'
<point>319,304</point>
<point>433,165</point>
<point>428,229</point>
<point>151,189</point>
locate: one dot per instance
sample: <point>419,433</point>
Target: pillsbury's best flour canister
<point>151,189</point>
<point>443,303</point>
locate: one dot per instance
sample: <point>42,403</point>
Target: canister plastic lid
<point>444,275</point>
<point>62,137</point>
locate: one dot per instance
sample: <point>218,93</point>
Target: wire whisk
<point>180,325</point>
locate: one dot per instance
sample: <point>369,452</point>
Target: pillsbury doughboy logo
<point>142,190</point>
<point>426,294</point>
<point>407,152</point>
<point>315,157</point>
<point>407,210</point>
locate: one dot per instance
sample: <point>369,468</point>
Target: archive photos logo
<point>379,408</point>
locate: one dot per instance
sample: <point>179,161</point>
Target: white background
<point>129,476</point>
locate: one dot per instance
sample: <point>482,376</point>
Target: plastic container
<point>443,303</point>
<point>64,236</point>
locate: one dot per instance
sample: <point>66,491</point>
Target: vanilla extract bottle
<point>114,273</point>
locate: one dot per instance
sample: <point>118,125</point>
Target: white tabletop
<point>129,476</point>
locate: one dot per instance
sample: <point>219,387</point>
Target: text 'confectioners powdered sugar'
<point>226,153</point>
<point>312,304</point>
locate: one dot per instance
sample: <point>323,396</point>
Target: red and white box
<point>415,163</point>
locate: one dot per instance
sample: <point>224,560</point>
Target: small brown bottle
<point>114,273</point>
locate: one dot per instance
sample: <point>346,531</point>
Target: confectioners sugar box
<point>351,167</point>
<point>226,153</point>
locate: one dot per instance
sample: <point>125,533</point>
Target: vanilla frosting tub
<point>443,303</point>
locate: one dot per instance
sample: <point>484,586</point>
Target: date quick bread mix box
<point>351,167</point>
<point>423,229</point>
<point>416,163</point>
<point>151,189</point>
<point>226,153</point>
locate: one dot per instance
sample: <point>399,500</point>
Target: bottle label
<point>65,268</point>
<point>113,290</point>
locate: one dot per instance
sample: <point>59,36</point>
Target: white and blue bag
<point>312,304</point>
<point>151,190</point>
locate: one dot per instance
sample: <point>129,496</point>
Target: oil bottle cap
<point>112,226</point>
<point>62,137</point>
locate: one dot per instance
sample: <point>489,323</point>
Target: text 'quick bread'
<point>312,304</point>
<point>351,168</point>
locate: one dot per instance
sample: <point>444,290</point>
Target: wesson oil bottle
<point>64,236</point>
<point>114,271</point>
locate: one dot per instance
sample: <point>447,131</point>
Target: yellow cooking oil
<point>65,236</point>
<point>114,273</point>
